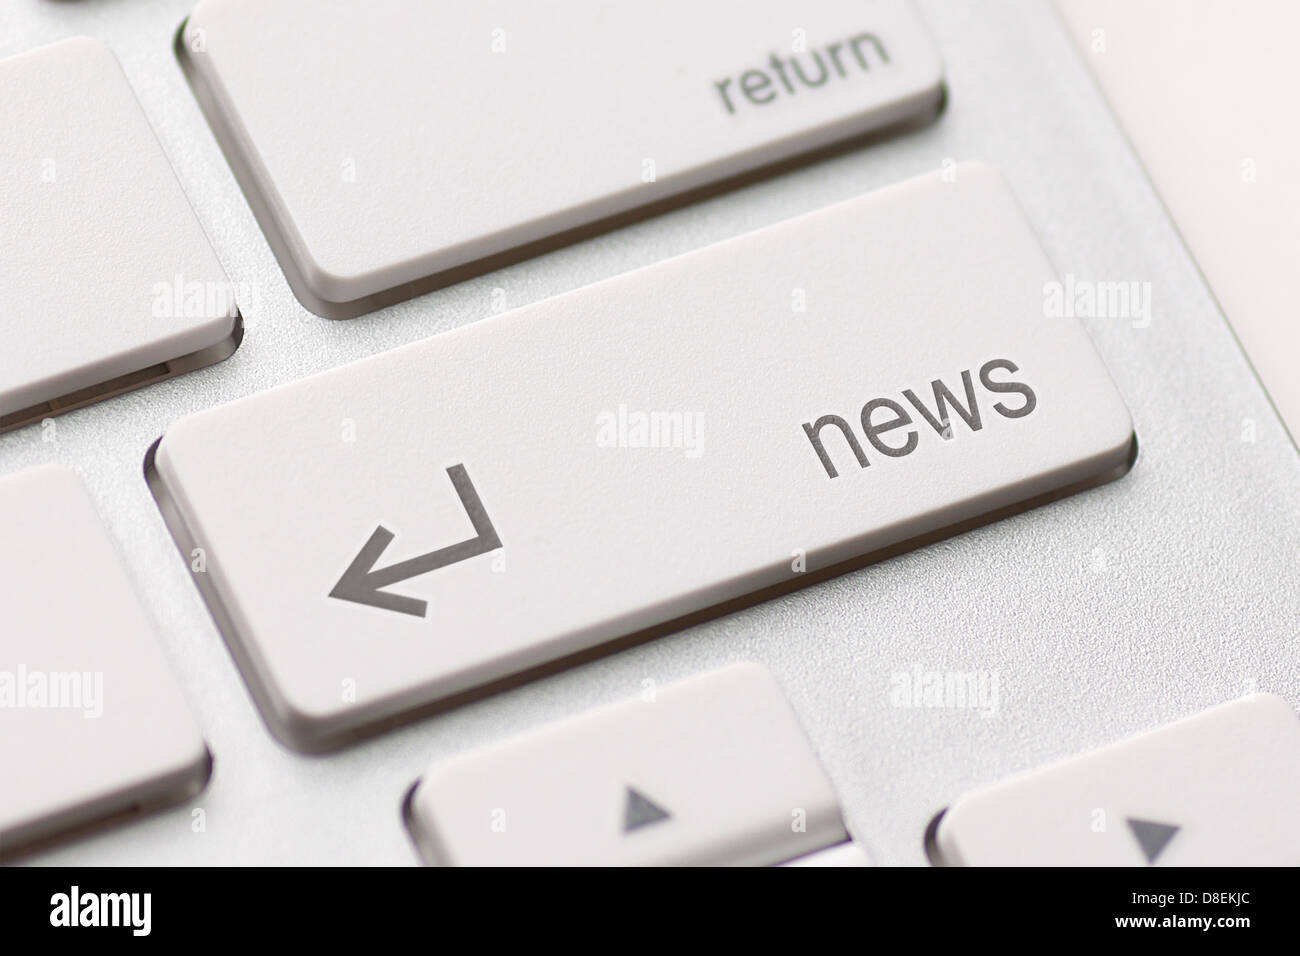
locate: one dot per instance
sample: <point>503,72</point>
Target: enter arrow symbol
<point>362,583</point>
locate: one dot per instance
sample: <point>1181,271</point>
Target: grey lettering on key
<point>843,59</point>
<point>873,429</point>
<point>362,584</point>
<point>937,416</point>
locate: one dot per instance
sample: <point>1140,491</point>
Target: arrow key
<point>1218,788</point>
<point>712,771</point>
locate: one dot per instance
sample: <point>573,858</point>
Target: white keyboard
<point>717,462</point>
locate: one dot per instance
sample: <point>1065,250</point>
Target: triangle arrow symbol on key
<point>639,811</point>
<point>1152,837</point>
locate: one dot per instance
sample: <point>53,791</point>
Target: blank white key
<point>107,281</point>
<point>1232,185</point>
<point>711,771</point>
<point>388,142</point>
<point>842,854</point>
<point>91,722</point>
<point>455,511</point>
<point>1216,789</point>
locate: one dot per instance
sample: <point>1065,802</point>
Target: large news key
<point>481,521</point>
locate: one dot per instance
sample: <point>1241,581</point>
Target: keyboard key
<point>92,724</point>
<point>390,147</point>
<point>107,281</point>
<point>842,854</point>
<point>711,771</point>
<point>423,522</point>
<point>1215,789</point>
<point>1188,125</point>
